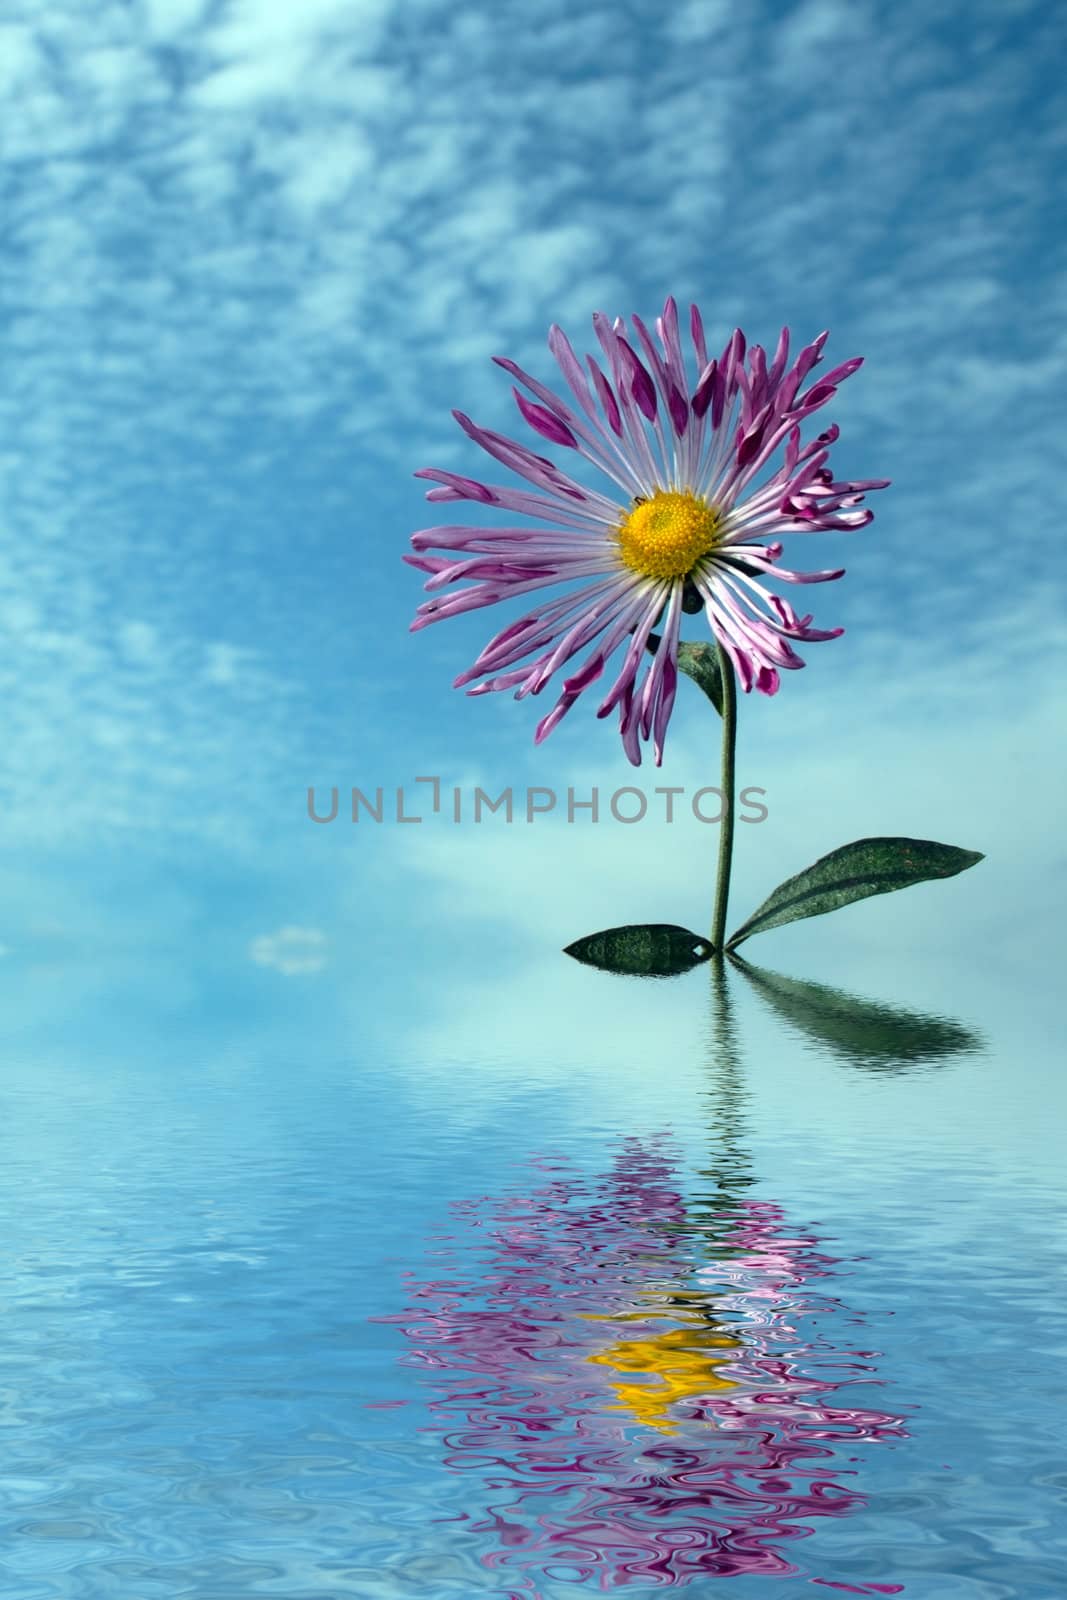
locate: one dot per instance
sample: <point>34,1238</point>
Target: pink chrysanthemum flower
<point>687,537</point>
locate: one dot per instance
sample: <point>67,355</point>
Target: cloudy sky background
<point>253,254</point>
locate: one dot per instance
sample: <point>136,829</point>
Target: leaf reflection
<point>864,1033</point>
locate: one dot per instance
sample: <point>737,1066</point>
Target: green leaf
<point>863,1033</point>
<point>643,950</point>
<point>865,867</point>
<point>701,663</point>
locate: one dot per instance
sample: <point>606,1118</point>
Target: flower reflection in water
<point>649,1393</point>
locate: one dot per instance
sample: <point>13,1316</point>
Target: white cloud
<point>295,226</point>
<point>292,951</point>
<point>166,19</point>
<point>20,57</point>
<point>814,31</point>
<point>138,640</point>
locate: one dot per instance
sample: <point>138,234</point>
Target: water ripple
<point>643,1399</point>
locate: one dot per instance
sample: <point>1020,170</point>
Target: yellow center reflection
<point>678,1364</point>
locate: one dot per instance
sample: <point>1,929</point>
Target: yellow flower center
<point>665,537</point>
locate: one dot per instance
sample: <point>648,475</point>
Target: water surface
<point>562,1284</point>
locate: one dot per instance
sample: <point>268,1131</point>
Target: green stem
<point>726,831</point>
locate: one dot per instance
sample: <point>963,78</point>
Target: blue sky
<point>255,252</point>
